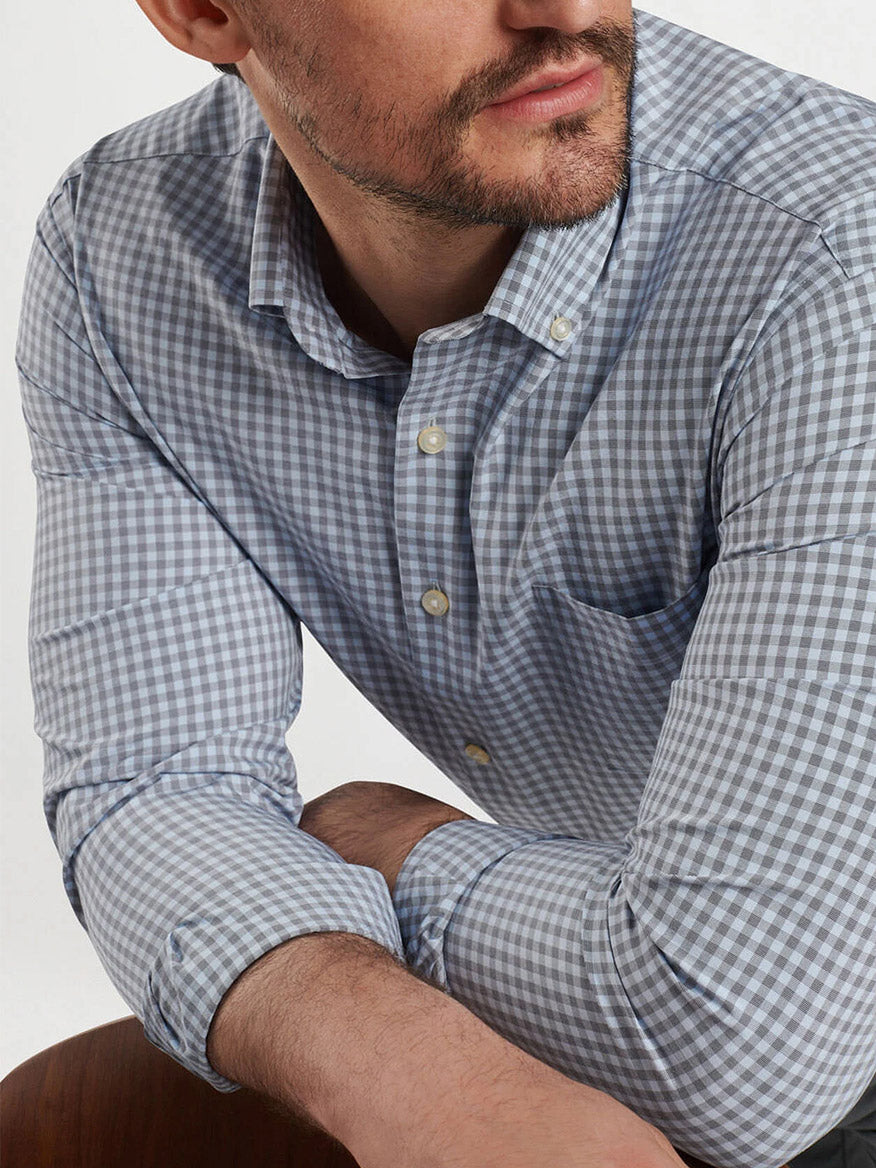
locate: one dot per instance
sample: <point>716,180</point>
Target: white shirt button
<point>431,439</point>
<point>477,753</point>
<point>561,328</point>
<point>435,602</point>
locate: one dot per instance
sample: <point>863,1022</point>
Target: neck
<point>390,281</point>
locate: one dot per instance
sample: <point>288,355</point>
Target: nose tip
<point>566,16</point>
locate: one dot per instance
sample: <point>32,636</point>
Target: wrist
<point>375,824</point>
<point>399,845</point>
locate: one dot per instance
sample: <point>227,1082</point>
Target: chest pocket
<point>609,675</point>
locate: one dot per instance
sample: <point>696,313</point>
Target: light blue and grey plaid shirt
<point>656,537</point>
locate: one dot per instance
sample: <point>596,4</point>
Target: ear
<point>210,31</point>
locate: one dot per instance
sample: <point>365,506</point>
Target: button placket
<point>435,428</point>
<point>431,440</point>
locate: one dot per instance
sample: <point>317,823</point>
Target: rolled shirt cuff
<point>202,958</point>
<point>436,874</point>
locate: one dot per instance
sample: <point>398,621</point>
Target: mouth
<point>551,94</point>
<point>547,80</point>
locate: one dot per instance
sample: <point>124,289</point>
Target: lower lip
<point>570,98</point>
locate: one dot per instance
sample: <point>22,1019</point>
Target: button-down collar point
<point>561,328</point>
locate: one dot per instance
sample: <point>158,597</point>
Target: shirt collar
<point>553,273</point>
<point>285,276</point>
<point>268,270</point>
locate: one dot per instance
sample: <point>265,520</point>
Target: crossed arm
<point>746,893</point>
<point>421,1080</point>
<point>376,825</point>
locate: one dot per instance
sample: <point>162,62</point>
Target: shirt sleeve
<point>165,671</point>
<point>717,972</point>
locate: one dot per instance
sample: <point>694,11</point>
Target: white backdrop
<point>71,73</point>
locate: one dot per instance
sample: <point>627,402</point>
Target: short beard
<point>452,195</point>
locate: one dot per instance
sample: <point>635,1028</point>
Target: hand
<point>375,824</point>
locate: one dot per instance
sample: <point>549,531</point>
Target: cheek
<point>407,56</point>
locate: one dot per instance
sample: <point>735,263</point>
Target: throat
<point>357,310</point>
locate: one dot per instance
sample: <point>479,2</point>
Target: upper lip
<point>547,78</point>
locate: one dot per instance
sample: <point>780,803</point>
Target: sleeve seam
<point>798,369</point>
<point>840,450</point>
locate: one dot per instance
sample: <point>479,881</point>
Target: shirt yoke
<point>805,147</point>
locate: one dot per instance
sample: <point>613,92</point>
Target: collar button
<point>561,328</point>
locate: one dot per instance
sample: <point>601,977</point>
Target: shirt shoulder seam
<point>754,195</point>
<point>87,160</point>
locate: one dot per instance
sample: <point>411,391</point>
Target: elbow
<point>759,1035</point>
<point>798,1124</point>
<point>770,1105</point>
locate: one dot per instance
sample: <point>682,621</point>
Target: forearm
<point>338,1030</point>
<point>334,1027</point>
<point>375,824</point>
<point>295,1025</point>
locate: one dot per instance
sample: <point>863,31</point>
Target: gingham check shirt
<point>656,535</point>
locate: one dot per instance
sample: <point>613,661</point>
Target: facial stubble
<point>584,171</point>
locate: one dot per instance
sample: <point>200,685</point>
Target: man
<point>551,415</point>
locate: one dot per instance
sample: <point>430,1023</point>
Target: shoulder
<point>795,145</point>
<point>219,121</point>
<point>156,197</point>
